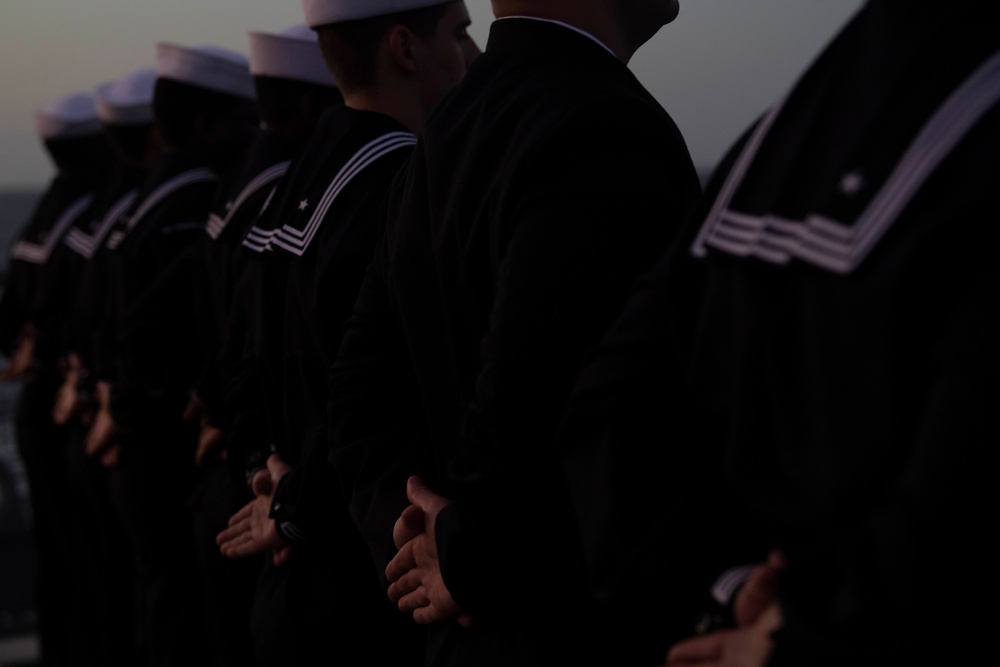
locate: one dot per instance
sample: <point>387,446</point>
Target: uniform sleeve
<point>249,436</point>
<point>53,302</point>
<point>593,216</point>
<point>158,358</point>
<point>644,464</point>
<point>249,422</point>
<point>158,352</point>
<point>643,459</point>
<point>377,433</point>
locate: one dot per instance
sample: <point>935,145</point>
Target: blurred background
<point>715,69</point>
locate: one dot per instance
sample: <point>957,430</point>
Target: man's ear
<point>402,48</point>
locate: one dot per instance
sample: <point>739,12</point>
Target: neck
<point>619,30</point>
<point>400,107</point>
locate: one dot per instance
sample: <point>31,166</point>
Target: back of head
<point>125,108</point>
<point>73,136</point>
<point>203,95</point>
<point>292,81</point>
<point>351,31</point>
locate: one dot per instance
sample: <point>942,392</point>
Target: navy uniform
<point>102,607</point>
<point>831,314</point>
<point>315,239</point>
<point>288,63</point>
<point>291,57</point>
<point>72,134</point>
<point>312,245</point>
<point>540,188</point>
<point>155,472</point>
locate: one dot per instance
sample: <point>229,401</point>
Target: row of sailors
<point>120,296</point>
<point>298,351</point>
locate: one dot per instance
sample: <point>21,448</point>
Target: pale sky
<point>718,66</point>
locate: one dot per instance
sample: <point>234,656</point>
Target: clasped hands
<point>416,583</point>
<point>102,437</point>
<point>757,615</point>
<point>251,530</point>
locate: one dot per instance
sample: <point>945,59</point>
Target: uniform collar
<point>565,25</point>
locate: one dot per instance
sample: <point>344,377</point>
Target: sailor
<point>542,186</point>
<point>830,315</point>
<point>72,136</point>
<point>204,110</point>
<point>393,61</point>
<point>103,595</point>
<point>125,110</point>
<point>294,89</point>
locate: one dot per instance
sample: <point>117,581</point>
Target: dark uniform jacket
<point>541,187</point>
<point>186,308</point>
<point>93,301</point>
<point>217,256</point>
<point>832,314</point>
<point>81,276</point>
<point>307,256</point>
<point>168,215</point>
<point>315,241</point>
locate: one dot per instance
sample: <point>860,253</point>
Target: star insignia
<point>304,204</point>
<point>852,183</point>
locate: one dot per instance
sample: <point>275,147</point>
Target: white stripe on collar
<point>565,25</point>
<point>295,240</point>
<point>86,245</point>
<point>830,244</point>
<point>38,253</point>
<point>216,225</point>
<point>194,176</point>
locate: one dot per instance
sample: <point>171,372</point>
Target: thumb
<point>759,591</point>
<point>409,524</point>
<point>418,494</point>
<point>277,468</point>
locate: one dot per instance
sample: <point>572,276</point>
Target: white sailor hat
<point>129,100</point>
<point>208,67</point>
<point>71,116</point>
<point>324,12</point>
<point>291,54</point>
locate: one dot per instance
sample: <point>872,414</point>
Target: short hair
<point>176,105</point>
<point>350,49</point>
<point>279,100</point>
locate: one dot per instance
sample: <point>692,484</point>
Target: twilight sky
<point>714,69</point>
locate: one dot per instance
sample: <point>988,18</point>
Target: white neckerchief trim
<point>565,25</point>
<point>830,244</point>
<point>736,175</point>
<point>86,245</point>
<point>38,253</point>
<point>167,188</point>
<point>296,240</point>
<point>216,225</point>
